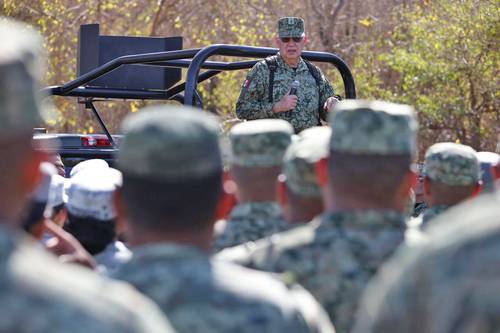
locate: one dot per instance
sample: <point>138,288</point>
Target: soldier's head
<point>91,212</point>
<point>257,149</point>
<point>452,173</point>
<point>371,149</point>
<point>172,171</point>
<point>299,192</point>
<point>20,74</point>
<point>291,38</point>
<point>490,169</point>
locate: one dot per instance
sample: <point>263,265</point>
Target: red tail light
<point>95,141</point>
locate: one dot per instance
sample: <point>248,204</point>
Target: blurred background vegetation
<point>441,56</point>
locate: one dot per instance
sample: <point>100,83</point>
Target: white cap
<point>488,157</point>
<point>90,194</point>
<point>88,164</point>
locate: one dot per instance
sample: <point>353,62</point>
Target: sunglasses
<point>295,39</point>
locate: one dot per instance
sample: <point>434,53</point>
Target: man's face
<point>56,160</point>
<point>291,47</point>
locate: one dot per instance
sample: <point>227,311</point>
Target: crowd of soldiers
<point>273,232</point>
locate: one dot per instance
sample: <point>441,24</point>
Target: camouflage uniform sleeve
<point>253,100</point>
<point>325,88</point>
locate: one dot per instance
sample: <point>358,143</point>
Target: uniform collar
<point>167,251</point>
<point>432,212</point>
<point>364,219</point>
<point>281,63</point>
<point>268,208</point>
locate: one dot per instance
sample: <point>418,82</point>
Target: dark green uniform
<point>254,103</point>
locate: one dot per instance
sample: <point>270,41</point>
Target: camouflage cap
<point>260,143</point>
<point>170,142</point>
<point>291,27</point>
<point>299,162</point>
<point>373,127</point>
<point>452,164</point>
<point>20,74</point>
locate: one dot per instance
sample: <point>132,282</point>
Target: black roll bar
<point>250,51</point>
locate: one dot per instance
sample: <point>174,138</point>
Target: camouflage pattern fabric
<point>37,294</point>
<point>301,157</point>
<point>253,101</point>
<point>166,128</point>
<point>420,207</point>
<point>203,295</point>
<point>452,164</point>
<point>373,127</point>
<point>249,222</point>
<point>290,27</point>
<point>260,143</point>
<point>333,257</point>
<point>423,220</point>
<point>447,283</point>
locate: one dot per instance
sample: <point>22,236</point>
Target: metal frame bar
<point>249,51</point>
<point>194,60</point>
<point>90,105</point>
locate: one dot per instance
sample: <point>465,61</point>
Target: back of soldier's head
<point>172,167</point>
<point>371,147</point>
<point>301,157</point>
<point>257,149</point>
<point>91,211</point>
<point>452,171</point>
<point>20,74</point>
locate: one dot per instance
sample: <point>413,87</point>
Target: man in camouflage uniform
<point>299,192</point>
<point>257,149</point>
<point>261,98</point>
<point>169,196</point>
<point>446,284</point>
<point>37,294</point>
<point>371,149</point>
<point>452,174</point>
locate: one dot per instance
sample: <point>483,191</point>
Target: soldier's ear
<point>477,189</point>
<point>227,198</point>
<point>322,172</point>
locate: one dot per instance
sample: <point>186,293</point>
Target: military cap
<point>299,162</point>
<point>452,164</point>
<point>90,193</point>
<point>373,128</point>
<point>291,27</point>
<point>170,143</point>
<point>260,143</point>
<point>20,74</point>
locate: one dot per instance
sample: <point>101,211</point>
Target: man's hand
<point>66,247</point>
<point>286,103</point>
<point>330,103</point>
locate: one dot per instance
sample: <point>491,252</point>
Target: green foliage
<point>446,54</point>
<point>440,56</point>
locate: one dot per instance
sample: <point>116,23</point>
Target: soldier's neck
<point>292,62</point>
<point>199,238</point>
<point>342,203</point>
<point>264,196</point>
